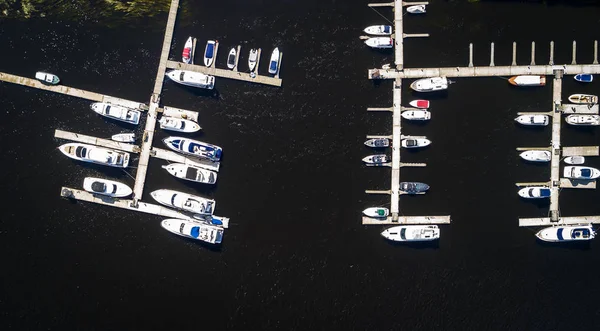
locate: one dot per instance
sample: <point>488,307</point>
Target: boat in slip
<point>376,159</point>
<point>564,233</point>
<point>416,115</point>
<point>106,187</point>
<point>528,80</point>
<point>533,120</point>
<point>119,113</point>
<point>178,124</point>
<point>423,104</point>
<point>416,9</point>
<point>195,148</point>
<point>584,78</point>
<point>575,159</point>
<point>413,187</point>
<point>97,155</point>
<point>580,119</point>
<point>274,63</point>
<point>412,233</point>
<point>47,78</point>
<point>376,212</point>
<point>581,172</point>
<point>430,84</point>
<point>415,142</point>
<point>379,30</point>
<point>378,142</point>
<point>187,202</point>
<point>252,58</point>
<point>380,42</point>
<point>191,173</point>
<point>194,230</point>
<point>536,156</point>
<point>209,52</point>
<point>535,192</point>
<point>231,58</point>
<point>190,78</point>
<point>187,55</point>
<point>583,98</point>
<point>123,137</point>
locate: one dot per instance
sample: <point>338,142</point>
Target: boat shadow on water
<point>202,92</point>
<point>434,244</point>
<point>571,245</point>
<point>435,95</point>
<point>204,245</point>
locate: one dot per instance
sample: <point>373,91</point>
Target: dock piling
<point>574,61</point>
<point>533,53</point>
<point>514,54</point>
<point>492,55</point>
<point>470,55</point>
<point>551,53</point>
<point>595,52</point>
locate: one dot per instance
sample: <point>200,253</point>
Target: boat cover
<point>98,187</point>
<point>545,192</point>
<point>586,173</point>
<point>387,29</point>
<point>195,232</point>
<point>186,52</point>
<point>209,50</point>
<point>559,234</point>
<point>191,173</point>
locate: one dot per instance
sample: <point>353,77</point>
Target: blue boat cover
<point>195,232</point>
<point>273,65</point>
<point>586,173</point>
<point>545,192</point>
<point>387,28</point>
<point>209,50</point>
<point>584,77</point>
<point>559,234</point>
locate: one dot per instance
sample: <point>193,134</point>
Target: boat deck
<point>227,73</point>
<point>406,220</point>
<point>107,143</point>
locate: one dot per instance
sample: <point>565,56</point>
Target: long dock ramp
<point>407,220</point>
<point>546,221</point>
<point>555,143</point>
<point>226,73</point>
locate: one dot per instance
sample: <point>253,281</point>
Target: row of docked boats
<point>132,116</point>
<point>404,233</point>
<point>539,80</point>
<point>546,156</point>
<point>382,159</point>
<point>383,33</point>
<point>544,120</point>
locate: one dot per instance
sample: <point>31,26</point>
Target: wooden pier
<point>227,73</point>
<point>400,220</point>
<point>545,221</point>
<point>555,144</point>
<point>107,143</point>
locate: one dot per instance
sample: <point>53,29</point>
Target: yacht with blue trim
<point>184,201</point>
<point>564,233</point>
<point>194,147</point>
<point>194,230</point>
<point>94,154</point>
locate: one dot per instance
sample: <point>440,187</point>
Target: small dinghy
<point>416,115</point>
<point>97,155</point>
<point>119,113</point>
<point>584,78</point>
<point>194,230</point>
<point>187,51</point>
<point>190,78</point>
<point>379,30</point>
<point>106,187</point>
<point>412,233</point>
<point>124,137</point>
<point>528,80</point>
<point>536,156</point>
<point>416,9</point>
<point>578,119</point>
<point>380,42</point>
<point>430,84</point>
<point>179,200</point>
<point>581,172</point>
<point>231,58</point>
<point>413,187</point>
<point>191,173</point>
<point>252,57</point>
<point>195,148</point>
<point>274,63</point>
<point>415,142</point>
<point>178,124</point>
<point>575,159</point>
<point>423,104</point>
<point>376,212</point>
<point>378,142</point>
<point>376,159</point>
<point>564,233</point>
<point>534,120</point>
<point>535,192</point>
<point>209,52</point>
<point>47,78</point>
<point>583,98</point>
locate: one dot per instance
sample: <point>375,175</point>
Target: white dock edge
<point>164,154</point>
<point>569,108</point>
<point>407,220</point>
<point>577,183</point>
<point>545,221</point>
<point>580,151</point>
<point>180,113</point>
<point>125,103</point>
<point>96,141</point>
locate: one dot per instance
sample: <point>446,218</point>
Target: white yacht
<point>376,212</point>
<point>47,78</point>
<point>575,159</point>
<point>252,58</point>
<point>184,201</point>
<point>415,142</point>
<point>194,147</point>
<point>190,78</point>
<point>94,154</point>
<point>379,30</point>
<point>380,42</point>
<point>581,172</point>
<point>194,230</point>
<point>119,113</point>
<point>564,233</point>
<point>583,98</point>
<point>412,233</point>
<point>178,124</point>
<point>123,137</point>
<point>378,142</point>
<point>533,120</point>
<point>106,187</point>
<point>193,174</point>
<point>376,159</point>
<point>231,58</point>
<point>430,84</point>
<point>535,192</point>
<point>416,115</point>
<point>583,119</point>
<point>416,9</point>
<point>274,63</point>
<point>528,80</point>
<point>536,156</point>
<point>209,52</point>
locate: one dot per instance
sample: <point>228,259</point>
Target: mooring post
<point>514,61</point>
<point>551,53</point>
<point>491,54</point>
<point>595,51</point>
<point>574,52</point>
<point>470,54</point>
<point>533,53</point>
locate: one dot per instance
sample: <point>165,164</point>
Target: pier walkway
<point>555,143</point>
<point>227,73</point>
<point>399,220</point>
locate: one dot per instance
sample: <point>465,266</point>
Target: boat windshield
<point>181,75</point>
<point>80,151</point>
<point>191,173</point>
<point>195,232</point>
<point>559,234</point>
<point>403,234</point>
<point>98,187</point>
<point>387,29</point>
<point>273,65</point>
<point>107,109</point>
<point>209,50</point>
<point>580,233</point>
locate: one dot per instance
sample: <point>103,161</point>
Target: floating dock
<point>179,158</point>
<point>401,220</point>
<point>226,73</point>
<point>107,143</point>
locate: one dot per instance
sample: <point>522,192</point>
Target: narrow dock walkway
<point>226,73</point>
<point>107,143</point>
<point>396,147</point>
<point>580,151</point>
<point>545,221</point>
<point>164,154</point>
<point>569,108</point>
<point>407,220</point>
<point>555,143</point>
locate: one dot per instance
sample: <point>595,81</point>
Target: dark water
<point>296,256</point>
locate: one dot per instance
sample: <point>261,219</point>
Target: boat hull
<point>423,104</point>
<point>231,58</point>
<point>584,78</point>
<point>376,212</point>
<point>575,159</point>
<point>119,113</point>
<point>274,63</point>
<point>415,143</point>
<point>533,120</point>
<point>527,80</point>
<point>537,192</point>
<point>567,233</point>
<point>412,233</point>
<point>378,143</point>
<point>106,187</point>
<point>96,155</point>
<point>536,156</point>
<point>380,42</point>
<point>193,79</point>
<point>209,52</point>
<point>416,115</point>
<point>376,159</point>
<point>194,148</point>
<point>183,201</point>
<point>192,174</point>
<point>430,84</point>
<point>583,120</point>
<point>178,124</point>
<point>581,172</point>
<point>124,137</point>
<point>413,187</point>
<point>47,78</point>
<point>583,98</point>
<point>379,30</point>
<point>416,9</point>
<point>194,230</point>
<point>252,58</point>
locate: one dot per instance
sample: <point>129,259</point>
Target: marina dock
<point>227,73</point>
<point>399,220</point>
<point>555,143</point>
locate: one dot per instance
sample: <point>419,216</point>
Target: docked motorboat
<point>376,159</point>
<point>380,42</point>
<point>528,80</point>
<point>535,120</point>
<point>179,200</point>
<point>379,30</point>
<point>274,63</point>
<point>178,124</point>
<point>191,78</point>
<point>430,84</point>
<point>415,142</point>
<point>581,172</point>
<point>416,9</point>
<point>187,51</point>
<point>94,154</point>
<point>583,98</point>
<point>378,142</point>
<point>575,159</point>
<point>209,52</point>
<point>584,78</point>
<point>191,173</point>
<point>413,187</point>
<point>416,115</point>
<point>423,104</point>
<point>119,113</point>
<point>123,137</point>
<point>213,220</point>
<point>535,192</point>
<point>195,148</point>
<point>47,78</point>
<point>564,233</point>
<point>252,58</point>
<point>412,233</point>
<point>583,119</point>
<point>231,58</point>
<point>194,230</point>
<point>536,156</point>
<point>106,187</point>
<point>376,212</point>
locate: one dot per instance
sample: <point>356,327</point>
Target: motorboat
<point>424,104</point>
<point>581,172</point>
<point>430,84</point>
<point>575,159</point>
<point>379,30</point>
<point>274,63</point>
<point>187,202</point>
<point>583,119</point>
<point>535,192</point>
<point>252,58</point>
<point>584,78</point>
<point>123,137</point>
<point>583,98</point>
<point>528,80</point>
<point>380,42</point>
<point>195,148</point>
<point>378,142</point>
<point>564,233</point>
<point>413,187</point>
<point>416,9</point>
<point>194,230</point>
<point>536,156</point>
<point>535,120</point>
<point>106,187</point>
<point>94,154</point>
<point>231,58</point>
<point>415,142</point>
<point>187,51</point>
<point>47,78</point>
<point>178,124</point>
<point>191,173</point>
<point>209,52</point>
<point>376,159</point>
<point>213,220</point>
<point>416,115</point>
<point>191,78</point>
<point>376,212</point>
<point>119,113</point>
<point>412,233</point>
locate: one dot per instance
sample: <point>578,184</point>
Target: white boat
<point>379,30</point>
<point>106,187</point>
<point>581,172</point>
<point>209,52</point>
<point>412,233</point>
<point>378,142</point>
<point>376,159</point>
<point>190,78</point>
<point>380,42</point>
<point>416,115</point>
<point>535,192</point>
<point>93,154</point>
<point>252,57</point>
<point>536,156</point>
<point>187,55</point>
<point>194,230</point>
<point>581,119</point>
<point>416,9</point>
<point>564,233</point>
<point>191,173</point>
<point>195,148</point>
<point>119,113</point>
<point>179,200</point>
<point>535,120</point>
<point>231,58</point>
<point>124,137</point>
<point>415,142</point>
<point>376,212</point>
<point>583,98</point>
<point>430,84</point>
<point>178,124</point>
<point>424,104</point>
<point>274,63</point>
<point>528,80</point>
<point>575,159</point>
<point>47,78</point>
